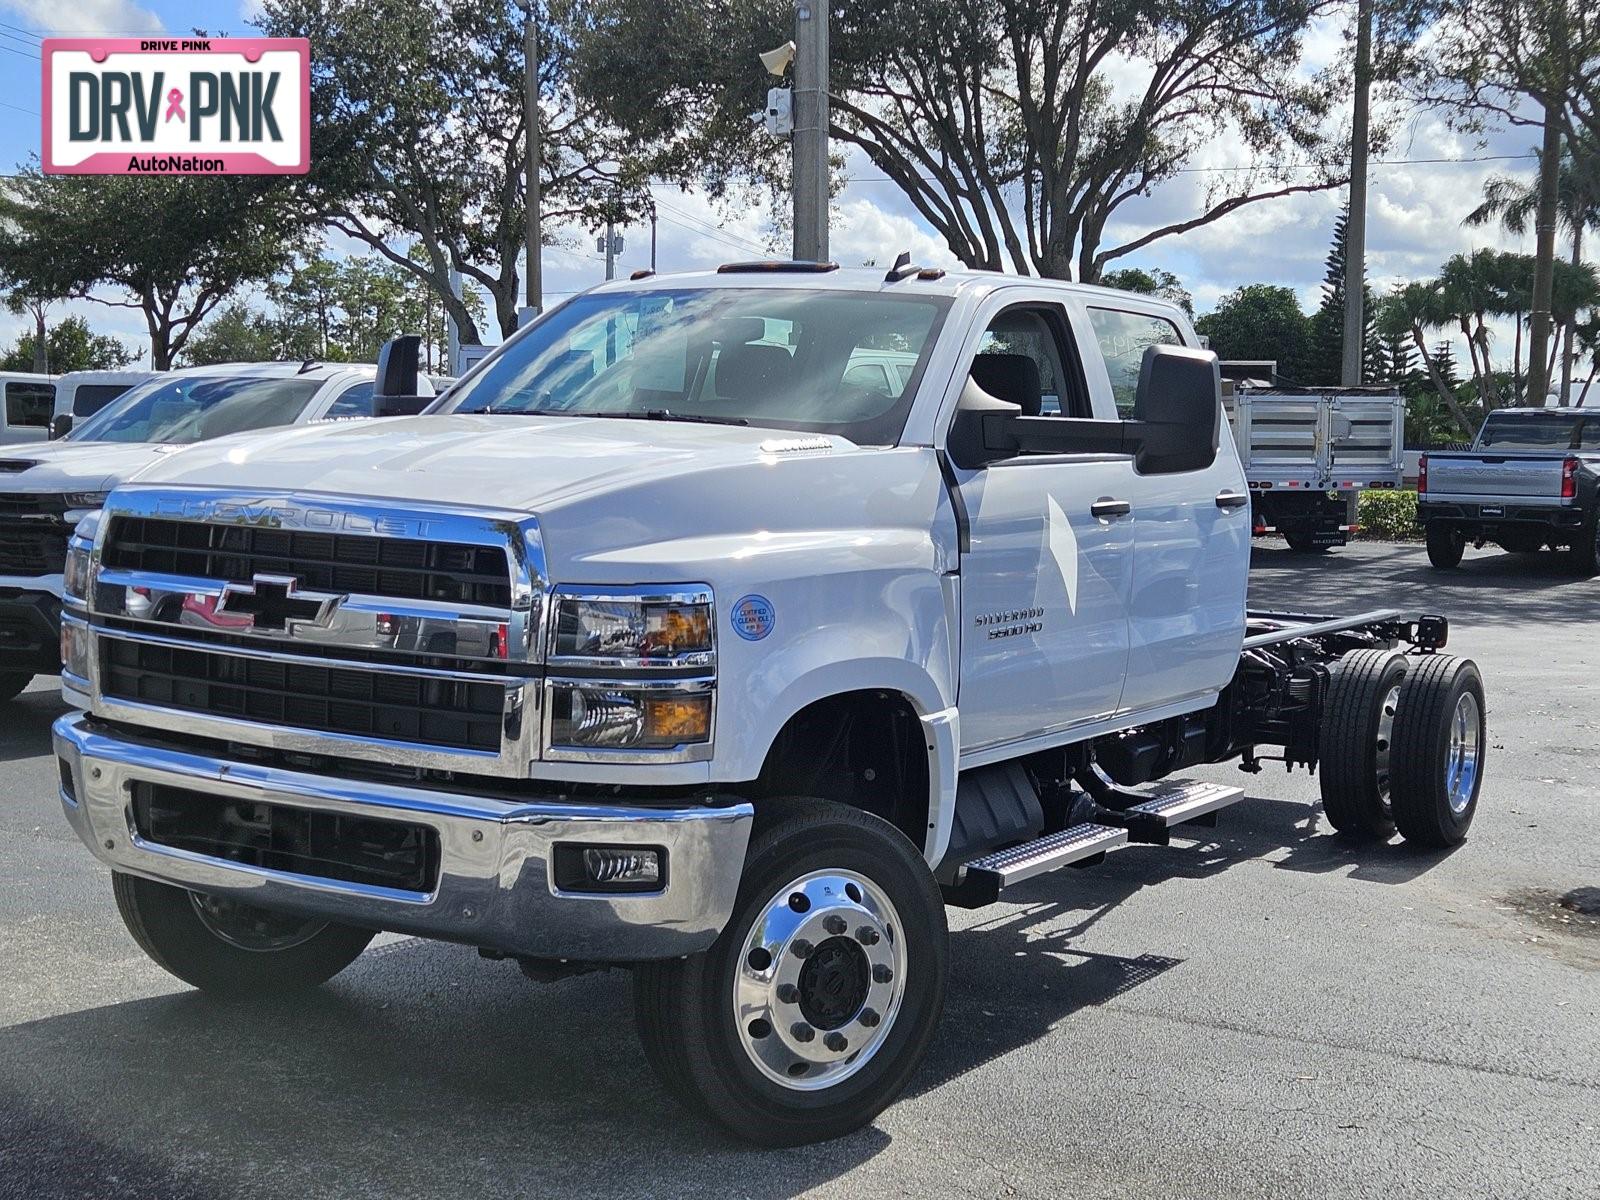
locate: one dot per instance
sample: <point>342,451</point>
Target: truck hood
<point>76,466</point>
<point>523,464</point>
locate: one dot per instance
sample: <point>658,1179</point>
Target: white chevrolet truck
<point>668,640</point>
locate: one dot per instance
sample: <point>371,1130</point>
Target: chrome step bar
<point>981,880</point>
<point>1182,800</point>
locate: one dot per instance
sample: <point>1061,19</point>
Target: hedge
<point>1387,516</point>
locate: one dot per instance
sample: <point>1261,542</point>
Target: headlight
<point>608,716</point>
<point>75,649</point>
<point>86,499</point>
<point>646,629</point>
<point>75,576</point>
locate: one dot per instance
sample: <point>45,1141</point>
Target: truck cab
<point>671,640</point>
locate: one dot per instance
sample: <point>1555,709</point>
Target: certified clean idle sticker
<point>177,106</point>
<point>753,617</point>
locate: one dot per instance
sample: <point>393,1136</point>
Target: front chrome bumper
<point>495,887</point>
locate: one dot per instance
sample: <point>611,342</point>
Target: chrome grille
<point>402,568</point>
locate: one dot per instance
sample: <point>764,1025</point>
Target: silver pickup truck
<point>1531,480</point>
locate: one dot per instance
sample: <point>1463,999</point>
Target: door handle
<point>1106,509</point>
<point>1232,499</point>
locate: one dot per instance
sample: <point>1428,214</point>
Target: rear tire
<point>228,948</point>
<point>1440,736</point>
<point>1357,739</point>
<point>1584,557</point>
<point>1446,545</point>
<point>815,1006</point>
<point>12,684</point>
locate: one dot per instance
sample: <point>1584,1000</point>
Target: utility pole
<point>611,247</point>
<point>652,236</point>
<point>1355,230</point>
<point>811,130</point>
<point>533,157</point>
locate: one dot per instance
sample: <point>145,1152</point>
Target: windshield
<point>820,361</point>
<point>1546,431</point>
<point>196,408</point>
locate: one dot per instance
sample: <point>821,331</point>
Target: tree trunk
<point>1544,261</point>
<point>1566,332</point>
<point>1516,358</point>
<point>1445,393</point>
<point>1589,382</point>
<point>41,348</point>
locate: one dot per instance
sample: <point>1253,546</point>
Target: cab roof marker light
<point>777,266</point>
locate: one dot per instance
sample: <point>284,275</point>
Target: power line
<point>19,53</point>
<point>19,29</point>
<point>712,230</point>
<point>1278,170</point>
<point>20,109</point>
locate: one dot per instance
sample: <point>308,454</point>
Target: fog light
<point>609,868</point>
<point>622,866</point>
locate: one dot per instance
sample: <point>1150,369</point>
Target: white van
<point>28,402</point>
<point>81,394</point>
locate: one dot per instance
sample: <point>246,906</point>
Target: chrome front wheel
<point>815,1006</point>
<point>820,979</point>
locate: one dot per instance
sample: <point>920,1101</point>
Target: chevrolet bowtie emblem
<point>275,602</point>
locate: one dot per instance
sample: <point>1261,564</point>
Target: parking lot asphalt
<point>1266,1011</point>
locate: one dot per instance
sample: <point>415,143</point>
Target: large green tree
<point>1522,63</point>
<point>418,137</point>
<point>172,247</point>
<point>1260,321</point>
<point>70,346</point>
<point>998,119</point>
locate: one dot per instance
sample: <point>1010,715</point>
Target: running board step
<point>1177,801</point>
<point>982,879</point>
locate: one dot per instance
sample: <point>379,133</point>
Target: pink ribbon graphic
<point>175,105</point>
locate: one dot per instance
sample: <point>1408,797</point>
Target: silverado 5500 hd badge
<point>1011,622</point>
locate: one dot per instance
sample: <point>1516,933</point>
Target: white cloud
<point>85,17</point>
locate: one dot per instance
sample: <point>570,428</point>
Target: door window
<point>90,398</point>
<point>28,405</point>
<point>1123,338</point>
<point>354,401</point>
<point>1020,361</point>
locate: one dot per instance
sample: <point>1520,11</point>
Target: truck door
<point>1045,584</point>
<point>1191,555</point>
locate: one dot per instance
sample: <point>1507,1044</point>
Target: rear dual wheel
<point>811,1011</point>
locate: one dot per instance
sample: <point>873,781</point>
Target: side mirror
<point>395,393</point>
<point>60,426</point>
<point>1177,410</point>
<point>981,431</point>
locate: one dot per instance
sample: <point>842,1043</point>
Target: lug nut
<point>881,974</point>
<point>801,1032</point>
<point>834,925</point>
<point>867,935</point>
<point>836,1042</point>
<point>869,1017</point>
<point>788,993</point>
<point>800,948</point>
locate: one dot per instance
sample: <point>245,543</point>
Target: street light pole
<point>1355,229</point>
<point>811,131</point>
<point>532,158</point>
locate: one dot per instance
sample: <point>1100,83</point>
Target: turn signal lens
<point>678,718</point>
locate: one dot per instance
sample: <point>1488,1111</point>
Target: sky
<point>1414,222</point>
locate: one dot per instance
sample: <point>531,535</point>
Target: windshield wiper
<point>649,414</point>
<point>666,414</point>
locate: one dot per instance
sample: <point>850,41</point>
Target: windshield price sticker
<point>177,106</point>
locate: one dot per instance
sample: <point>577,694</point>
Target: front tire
<point>12,684</point>
<point>1446,545</point>
<point>1354,759</point>
<point>228,948</point>
<point>811,1011</point>
<point>1440,735</point>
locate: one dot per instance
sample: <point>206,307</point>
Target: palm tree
<point>1514,202</point>
<point>1411,311</point>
